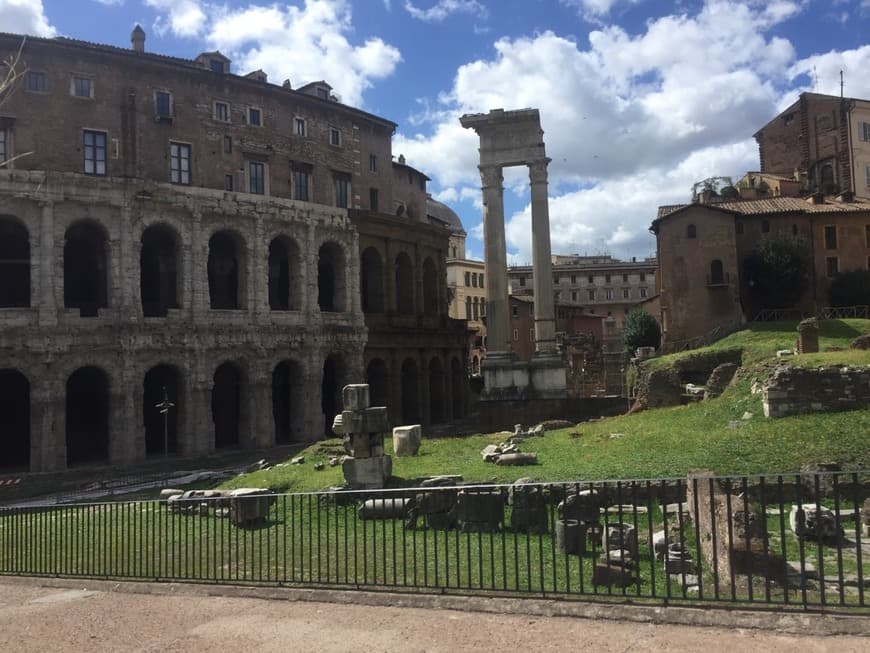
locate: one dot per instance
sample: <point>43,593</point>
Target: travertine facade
<point>174,231</point>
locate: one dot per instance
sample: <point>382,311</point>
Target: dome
<point>442,213</point>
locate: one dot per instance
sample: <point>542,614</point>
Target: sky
<point>639,99</point>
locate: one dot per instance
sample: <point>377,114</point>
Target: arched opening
<point>457,387</point>
<point>159,389</point>
<point>404,284</point>
<point>284,278</point>
<point>225,270</point>
<point>410,392</point>
<point>14,264</point>
<point>158,271</point>
<point>378,378</point>
<point>14,421</point>
<point>87,416</point>
<point>330,278</point>
<point>287,401</point>
<point>436,391</point>
<point>691,231</point>
<point>717,275</point>
<point>430,288</point>
<point>330,390</point>
<point>372,281</point>
<point>85,269</point>
<point>226,405</point>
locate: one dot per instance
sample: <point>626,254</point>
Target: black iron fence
<point>826,313</point>
<point>785,540</point>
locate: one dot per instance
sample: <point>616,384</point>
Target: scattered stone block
<point>570,537</point>
<point>619,557</point>
<point>808,521</point>
<point>517,459</point>
<point>480,511</point>
<point>528,508</point>
<point>389,508</point>
<point>861,342</point>
<point>407,440</point>
<point>612,576</point>
<point>808,336</point>
<point>319,466</point>
<point>355,397</point>
<point>678,561</point>
<point>367,473</point>
<point>583,506</point>
<point>249,506</point>
<point>298,460</point>
<point>168,493</point>
<point>619,535</point>
<point>445,480</point>
<point>660,544</point>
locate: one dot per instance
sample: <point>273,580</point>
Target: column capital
<point>538,171</point>
<point>491,176</point>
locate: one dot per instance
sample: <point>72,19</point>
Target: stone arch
<point>87,416</point>
<point>372,281</point>
<point>430,287</point>
<point>284,275</point>
<point>159,270</point>
<point>378,378</point>
<point>437,404</point>
<point>404,274</point>
<point>717,274</point>
<point>410,392</point>
<point>14,264</point>
<point>226,405</point>
<point>14,421</point>
<point>332,381</point>
<point>85,268</point>
<point>457,387</point>
<point>226,270</point>
<point>288,399</point>
<point>331,278</point>
<point>161,383</point>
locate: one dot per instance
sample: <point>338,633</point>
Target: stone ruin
<point>363,427</point>
<point>808,336</point>
<point>243,506</point>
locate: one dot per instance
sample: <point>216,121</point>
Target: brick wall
<point>794,390</point>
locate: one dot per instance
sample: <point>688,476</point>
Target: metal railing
<point>826,313</point>
<point>786,540</point>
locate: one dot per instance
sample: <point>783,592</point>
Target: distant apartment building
<point>599,285</point>
<point>822,141</point>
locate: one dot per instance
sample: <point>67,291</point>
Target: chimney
<point>401,159</point>
<point>137,38</point>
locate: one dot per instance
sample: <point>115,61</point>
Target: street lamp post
<point>164,407</point>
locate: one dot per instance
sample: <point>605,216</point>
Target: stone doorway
<point>85,269</point>
<point>14,421</point>
<point>87,417</point>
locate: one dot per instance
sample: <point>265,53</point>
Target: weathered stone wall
<point>794,390</point>
<point>659,387</point>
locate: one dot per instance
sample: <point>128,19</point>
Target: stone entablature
<point>796,390</point>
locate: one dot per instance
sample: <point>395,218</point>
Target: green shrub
<point>850,288</point>
<point>640,329</point>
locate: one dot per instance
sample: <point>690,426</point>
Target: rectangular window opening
<point>179,163</point>
<point>94,152</point>
<point>830,237</point>
<point>222,111</point>
<point>256,177</point>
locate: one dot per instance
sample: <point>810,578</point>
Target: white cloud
<point>110,3</point>
<point>186,18</point>
<point>825,68</point>
<point>625,116</point>
<point>444,8</point>
<point>25,17</point>
<point>594,9</point>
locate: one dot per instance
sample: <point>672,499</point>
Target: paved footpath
<point>37,618</point>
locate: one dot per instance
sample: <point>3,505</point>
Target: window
<point>481,280</point>
<point>334,136</point>
<point>82,87</point>
<point>590,279</point>
<point>475,309</point>
<point>301,181</point>
<point>606,278</point>
<point>515,311</point>
<point>625,278</point>
<point>691,231</point>
<point>222,111</point>
<point>468,308</point>
<point>865,131</point>
<point>179,163</point>
<point>556,280</point>
<point>717,274</point>
<point>573,295</point>
<point>830,237</point>
<point>299,126</point>
<point>94,149</point>
<point>832,265</point>
<point>467,279</point>
<point>373,199</point>
<point>573,279</point>
<point>228,182</point>
<point>867,176</point>
<point>482,307</point>
<point>591,295</point>
<point>163,104</point>
<point>35,81</point>
<point>531,310</point>
<point>531,334</point>
<point>765,227</point>
<point>255,117</point>
<point>4,145</point>
<point>625,293</point>
<point>643,276</point>
<point>516,335</point>
<point>608,294</point>
<point>216,65</point>
<point>322,93</point>
<point>474,280</point>
<point>341,182</point>
<point>523,279</point>
<point>256,177</point>
<point>228,144</point>
<point>643,292</point>
<point>373,163</point>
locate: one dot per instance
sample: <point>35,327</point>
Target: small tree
<point>640,329</point>
<point>777,272</point>
<point>851,288</point>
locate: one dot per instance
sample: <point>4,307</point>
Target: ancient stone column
<point>495,255</point>
<point>48,266</point>
<point>542,266</point>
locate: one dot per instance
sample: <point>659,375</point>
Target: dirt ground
<point>34,618</point>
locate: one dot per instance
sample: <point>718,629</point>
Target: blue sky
<point>638,98</point>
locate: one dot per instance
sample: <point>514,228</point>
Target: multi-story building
<point>465,280</point>
<point>171,230</point>
<point>600,285</point>
<point>823,141</point>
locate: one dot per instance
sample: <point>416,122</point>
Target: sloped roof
<point>445,214</point>
<point>772,205</point>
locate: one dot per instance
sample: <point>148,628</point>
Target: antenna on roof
<point>815,79</point>
<point>841,84</point>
